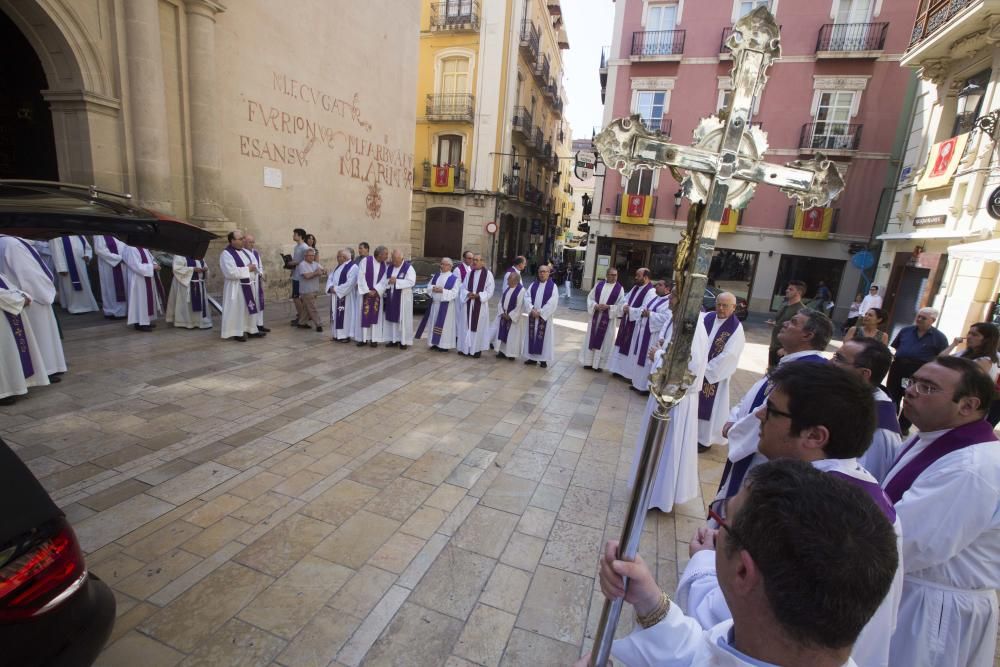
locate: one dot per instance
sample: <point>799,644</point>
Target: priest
<point>655,317</point>
<point>372,273</point>
<point>510,324</point>
<point>250,245</point>
<point>22,365</point>
<point>239,303</point>
<point>540,304</point>
<point>400,280</point>
<point>475,295</point>
<point>726,341</point>
<point>342,286</point>
<point>71,256</point>
<point>604,306</point>
<point>146,297</point>
<point>623,362</point>
<point>517,267</point>
<point>441,316</point>
<point>187,304</point>
<point>111,271</point>
<point>21,263</point>
<point>461,270</point>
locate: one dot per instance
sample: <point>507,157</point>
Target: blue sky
<point>588,25</point>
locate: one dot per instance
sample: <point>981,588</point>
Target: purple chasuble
<point>647,334</point>
<point>964,436</point>
<point>536,325</point>
<point>394,298</point>
<point>505,322</point>
<point>602,318</point>
<point>874,492</point>
<point>151,282</point>
<point>706,398</point>
<point>20,338</point>
<point>472,314</point>
<point>198,301</point>
<point>370,305</point>
<point>244,282</point>
<point>117,273</point>
<point>442,312</point>
<point>341,302</point>
<point>74,274</point>
<point>260,283</point>
<point>624,339</point>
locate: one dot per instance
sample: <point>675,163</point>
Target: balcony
<point>533,195</point>
<point>552,89</point>
<point>537,139</point>
<point>831,138</point>
<point>851,40</point>
<point>542,71</point>
<point>557,105</point>
<point>460,177</point>
<point>942,23</point>
<point>618,206</point>
<point>657,44</point>
<point>451,107</point>
<point>664,125</point>
<point>522,123</point>
<point>790,219</point>
<point>455,16</point>
<point>529,40</point>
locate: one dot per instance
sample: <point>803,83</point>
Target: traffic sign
<point>586,159</point>
<point>863,260</point>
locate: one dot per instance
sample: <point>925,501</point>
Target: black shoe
<point>530,362</point>
<point>241,339</point>
<point>461,354</point>
<point>360,344</point>
<point>501,355</point>
<point>144,327</point>
<point>403,347</point>
<point>543,364</point>
<point>295,322</point>
<point>303,326</point>
<point>7,400</point>
<point>135,326</point>
<point>597,370</point>
<point>477,355</point>
<point>702,448</point>
<point>55,378</point>
<point>264,329</point>
<point>257,335</point>
<point>373,344</point>
<point>319,329</point>
<point>511,359</point>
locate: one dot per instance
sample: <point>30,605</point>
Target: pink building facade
<point>838,87</point>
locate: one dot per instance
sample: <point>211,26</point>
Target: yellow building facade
<point>490,132</point>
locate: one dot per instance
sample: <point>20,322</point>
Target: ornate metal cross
<point>722,169</point>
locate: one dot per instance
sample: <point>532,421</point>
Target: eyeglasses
<point>717,511</point>
<point>771,411</point>
<point>921,387</point>
<point>841,359</point>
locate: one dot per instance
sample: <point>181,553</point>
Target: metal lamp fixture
<point>969,99</point>
<point>678,198</point>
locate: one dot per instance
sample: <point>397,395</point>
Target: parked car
<point>708,302</point>
<point>424,268</point>
<point>54,612</point>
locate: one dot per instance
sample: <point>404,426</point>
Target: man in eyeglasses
<point>825,416</point>
<point>915,345</point>
<point>870,360</point>
<point>946,488</point>
<point>801,581</point>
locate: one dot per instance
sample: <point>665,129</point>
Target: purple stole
<point>116,271</point>
<point>150,303</point>
<point>197,287</point>
<point>17,328</point>
<point>601,319</point>
<point>74,274</point>
<point>647,335</point>
<point>952,441</point>
<point>38,258</point>
<point>244,282</point>
<point>341,302</point>
<point>874,492</point>
<point>394,299</point>
<point>260,283</point>
<point>536,325</point>
<point>887,417</point>
<point>472,314</point>
<point>624,339</point>
<point>504,331</point>
<point>706,399</point>
<point>370,304</point>
<point>442,312</point>
<point>463,269</point>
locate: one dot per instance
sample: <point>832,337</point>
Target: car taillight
<point>41,577</point>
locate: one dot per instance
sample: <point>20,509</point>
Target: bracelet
<point>657,615</point>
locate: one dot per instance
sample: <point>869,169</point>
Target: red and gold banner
<point>942,162</point>
<point>730,219</point>
<point>443,179</point>
<point>813,223</point>
<point>636,209</point>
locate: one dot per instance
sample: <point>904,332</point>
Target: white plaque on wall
<point>272,177</point>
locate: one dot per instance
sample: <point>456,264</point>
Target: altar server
<point>655,317</point>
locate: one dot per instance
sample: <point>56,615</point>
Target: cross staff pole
<point>722,169</point>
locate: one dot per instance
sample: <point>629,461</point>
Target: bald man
<point>398,329</point>
<point>342,286</point>
<point>726,341</point>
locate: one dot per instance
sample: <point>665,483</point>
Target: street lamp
<point>969,99</point>
<point>677,201</point>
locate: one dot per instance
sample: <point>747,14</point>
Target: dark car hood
<point>44,210</point>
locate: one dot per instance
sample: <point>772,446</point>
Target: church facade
<point>255,115</point>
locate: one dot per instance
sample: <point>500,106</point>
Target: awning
<point>984,251</point>
<point>931,234</point>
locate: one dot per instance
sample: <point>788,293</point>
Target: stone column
<point>206,154</point>
<point>148,104</point>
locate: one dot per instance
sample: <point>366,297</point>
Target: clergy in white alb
<point>946,488</point>
<point>510,323</point>
<point>676,478</point>
<point>398,330</point>
<point>239,303</point>
<point>187,303</point>
<point>342,286</point>
<point>44,251</point>
<point>20,262</point>
<point>439,320</point>
<point>622,362</point>
<point>655,317</point>
<point>475,293</point>
<point>372,273</point>
<point>146,297</point>
<point>604,307</point>
<point>540,304</point>
<point>259,278</point>
<point>22,365</point>
<point>518,268</point>
<point>71,256</point>
<point>111,270</point>
<point>726,339</point>
<point>461,270</point>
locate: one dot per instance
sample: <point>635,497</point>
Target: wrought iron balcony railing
<point>542,69</point>
<point>663,125</point>
<point>935,14</point>
<point>455,15</point>
<point>790,219</point>
<point>522,122</point>
<point>451,107</point>
<point>618,206</point>
<point>460,174</point>
<point>847,37</point>
<point>830,136</point>
<point>538,139</point>
<point>658,42</point>
<point>529,39</point>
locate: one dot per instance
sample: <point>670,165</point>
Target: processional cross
<point>722,169</point>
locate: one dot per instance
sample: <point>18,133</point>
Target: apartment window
<point>455,9</point>
<point>833,115</point>
<point>747,6</point>
<point>641,182</point>
<point>854,11</point>
<point>454,76</point>
<point>449,150</point>
<point>662,17</point>
<point>649,104</point>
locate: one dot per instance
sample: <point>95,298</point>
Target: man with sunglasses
<point>825,416</point>
<point>945,484</point>
<point>870,360</point>
<point>801,581</point>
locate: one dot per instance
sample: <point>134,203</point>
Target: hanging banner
<point>443,179</point>
<point>636,209</point>
<point>942,162</point>
<point>730,219</point>
<point>812,224</point>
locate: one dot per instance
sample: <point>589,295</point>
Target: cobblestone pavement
<point>291,501</point>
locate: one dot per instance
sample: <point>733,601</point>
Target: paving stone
<point>337,504</point>
<point>380,470</point>
<point>104,527</point>
<point>236,643</point>
<point>320,640</point>
<point>573,547</point>
<point>284,545</point>
<point>506,588</point>
<point>556,605</point>
<point>485,531</point>
<point>454,582</point>
<point>360,595</point>
<point>527,649</point>
<point>485,635</point>
<point>416,637</point>
<point>357,539</point>
<point>400,498</point>
<point>509,493</point>
<point>138,649</point>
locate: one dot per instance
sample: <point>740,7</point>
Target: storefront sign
<point>993,204</point>
<point>929,220</point>
<point>633,232</point>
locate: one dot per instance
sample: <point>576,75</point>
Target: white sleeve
<point>408,280</point>
<point>363,286</point>
<point>591,301</point>
<point>549,309</point>
<point>11,300</point>
<point>135,264</point>
<point>490,286</point>
<point>101,248</point>
<point>88,252</point>
<point>672,642</point>
<point>742,409</point>
<point>725,364</point>
<point>450,294</point>
<point>698,591</point>
<point>182,272</point>
<point>59,255</point>
<point>229,269</point>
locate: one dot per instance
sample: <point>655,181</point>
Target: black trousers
<point>901,368</point>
